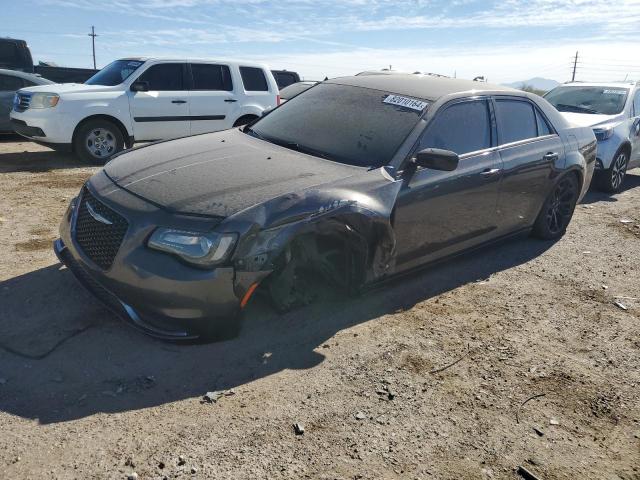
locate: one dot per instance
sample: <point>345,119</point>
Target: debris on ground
<point>620,305</point>
<point>360,416</point>
<point>526,474</point>
<point>213,397</point>
<point>298,428</point>
<point>554,421</point>
<point>181,460</point>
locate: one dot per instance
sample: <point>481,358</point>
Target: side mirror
<point>139,86</point>
<point>437,159</point>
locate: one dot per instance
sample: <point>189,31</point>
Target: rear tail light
<point>278,100</point>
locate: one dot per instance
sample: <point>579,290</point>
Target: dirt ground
<point>547,374</point>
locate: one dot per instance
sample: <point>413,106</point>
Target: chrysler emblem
<point>96,216</point>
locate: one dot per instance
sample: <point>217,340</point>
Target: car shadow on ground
<point>64,357</point>
<point>595,196</point>
<point>28,160</point>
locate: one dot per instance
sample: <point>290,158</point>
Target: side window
<point>10,83</point>
<point>543,126</point>
<point>462,128</point>
<point>211,77</point>
<point>164,77</point>
<point>253,79</point>
<point>516,120</point>
<point>284,79</point>
<point>636,104</point>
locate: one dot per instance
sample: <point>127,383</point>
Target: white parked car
<point>613,111</point>
<point>143,99</point>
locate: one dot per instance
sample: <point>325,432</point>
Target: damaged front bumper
<point>151,290</point>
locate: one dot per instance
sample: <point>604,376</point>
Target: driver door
<point>162,112</point>
<point>440,213</point>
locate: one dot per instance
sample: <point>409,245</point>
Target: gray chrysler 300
<point>353,181</point>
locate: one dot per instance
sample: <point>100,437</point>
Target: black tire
<point>244,120</point>
<point>611,180</point>
<point>96,141</point>
<point>556,213</point>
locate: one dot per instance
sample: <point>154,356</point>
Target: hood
<point>62,88</point>
<point>587,119</point>
<point>219,174</point>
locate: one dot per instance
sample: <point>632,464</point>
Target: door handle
<point>551,157</point>
<point>490,172</point>
<point>230,100</point>
<point>178,101</point>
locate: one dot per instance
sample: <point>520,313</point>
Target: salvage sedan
<point>355,180</point>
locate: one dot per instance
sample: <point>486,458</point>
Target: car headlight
<point>44,100</point>
<point>605,131</point>
<point>200,249</point>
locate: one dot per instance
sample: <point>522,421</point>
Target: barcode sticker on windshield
<point>406,102</point>
<point>615,92</point>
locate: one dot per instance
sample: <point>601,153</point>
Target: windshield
<point>594,100</point>
<point>115,73</point>
<point>346,124</point>
<point>294,89</point>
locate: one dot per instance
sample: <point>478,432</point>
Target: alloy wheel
<point>561,206</point>
<point>618,170</point>
<point>100,143</point>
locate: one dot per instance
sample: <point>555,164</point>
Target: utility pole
<point>575,64</point>
<point>93,44</point>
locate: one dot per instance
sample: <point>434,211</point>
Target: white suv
<point>143,99</point>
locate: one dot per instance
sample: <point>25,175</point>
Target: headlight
<point>605,131</point>
<point>201,249</point>
<point>44,100</point>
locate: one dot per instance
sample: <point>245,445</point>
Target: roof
<point>207,60</point>
<point>599,84</point>
<point>28,76</point>
<point>426,87</point>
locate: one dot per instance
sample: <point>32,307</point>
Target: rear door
<point>213,104</point>
<point>439,213</point>
<point>529,148</point>
<point>162,112</point>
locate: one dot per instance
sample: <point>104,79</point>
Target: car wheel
<point>97,141</point>
<point>611,180</point>
<point>556,213</point>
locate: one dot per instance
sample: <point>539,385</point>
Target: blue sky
<point>505,41</point>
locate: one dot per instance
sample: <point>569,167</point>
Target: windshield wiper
<point>575,108</point>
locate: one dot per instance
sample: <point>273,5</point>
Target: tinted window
<point>10,83</point>
<point>516,121</point>
<point>8,53</point>
<point>164,77</point>
<point>253,79</point>
<point>636,104</point>
<point>594,100</point>
<point>461,128</point>
<point>348,124</point>
<point>115,73</point>
<point>284,79</point>
<point>543,126</point>
<point>211,77</point>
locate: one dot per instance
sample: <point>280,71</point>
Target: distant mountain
<point>537,83</point>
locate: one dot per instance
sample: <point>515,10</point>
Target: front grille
<point>23,102</point>
<point>99,230</point>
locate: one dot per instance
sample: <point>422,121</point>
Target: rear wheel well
<point>128,140</point>
<point>244,119</point>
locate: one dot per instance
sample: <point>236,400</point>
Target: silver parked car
<point>613,111</point>
<point>10,82</point>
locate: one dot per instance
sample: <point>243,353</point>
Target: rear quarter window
<point>254,79</point>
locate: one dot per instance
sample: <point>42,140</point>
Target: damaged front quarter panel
<point>356,211</point>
